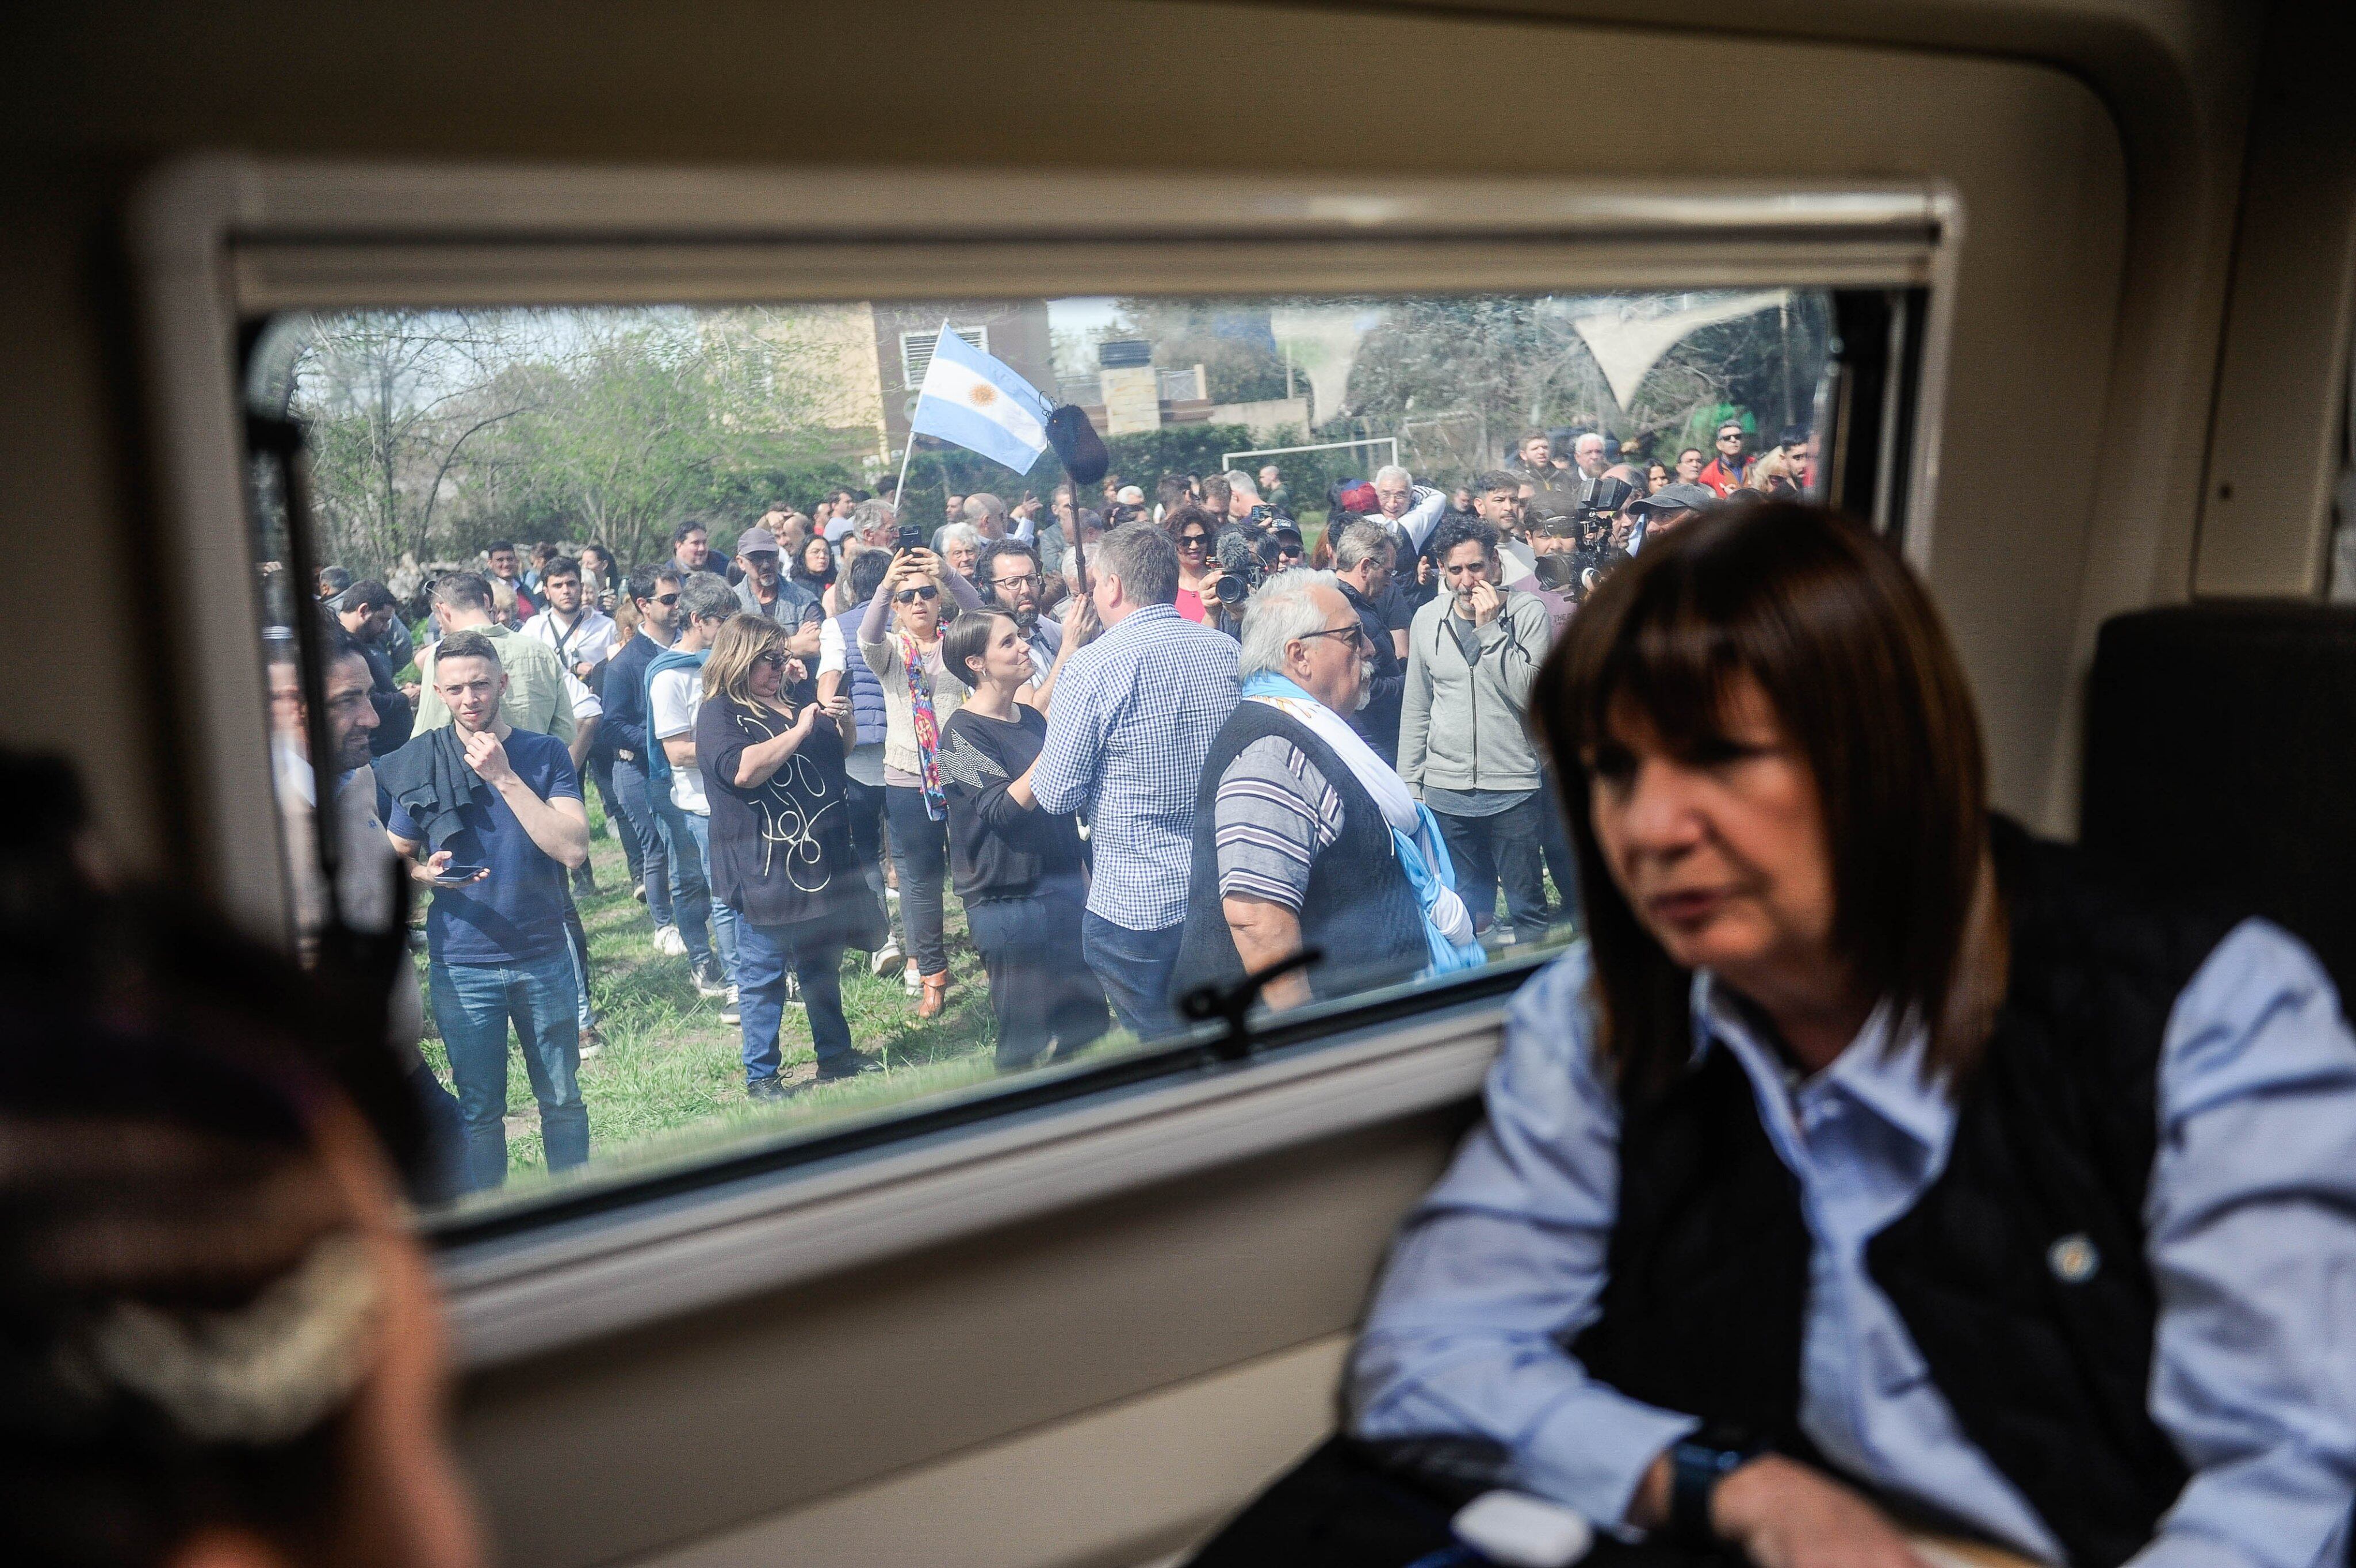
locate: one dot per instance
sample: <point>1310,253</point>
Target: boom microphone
<point>1076,441</point>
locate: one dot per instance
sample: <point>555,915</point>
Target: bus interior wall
<point>2109,258</point>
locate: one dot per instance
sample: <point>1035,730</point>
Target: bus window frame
<point>221,244</point>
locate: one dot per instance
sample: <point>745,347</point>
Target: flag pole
<point>909,452</point>
<point>911,449</point>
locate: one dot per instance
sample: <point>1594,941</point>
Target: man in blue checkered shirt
<point>1134,718</point>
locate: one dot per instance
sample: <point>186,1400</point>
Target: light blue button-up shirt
<point>2250,1231</point>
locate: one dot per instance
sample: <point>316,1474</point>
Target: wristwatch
<point>1696,1465</point>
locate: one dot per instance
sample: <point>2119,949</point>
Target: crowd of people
<point>1151,747</point>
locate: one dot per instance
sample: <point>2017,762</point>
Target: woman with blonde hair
<point>781,857</point>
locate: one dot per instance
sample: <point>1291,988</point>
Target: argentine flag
<point>970,399</point>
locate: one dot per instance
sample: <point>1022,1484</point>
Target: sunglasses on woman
<point>772,659</point>
<point>1193,541</point>
<point>923,591</point>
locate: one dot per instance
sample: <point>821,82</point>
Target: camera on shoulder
<point>1245,557</point>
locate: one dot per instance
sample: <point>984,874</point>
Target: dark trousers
<point>864,803</point>
<point>601,773</point>
<point>1510,849</point>
<point>1561,862</point>
<point>1040,992</point>
<point>920,848</point>
<point>577,939</point>
<point>1135,968</point>
<point>1340,1508</point>
<point>653,865</point>
<point>442,1174</point>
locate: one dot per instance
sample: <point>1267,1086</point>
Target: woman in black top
<point>781,851</point>
<point>1017,868</point>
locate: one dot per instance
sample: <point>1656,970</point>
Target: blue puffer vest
<point>866,691</point>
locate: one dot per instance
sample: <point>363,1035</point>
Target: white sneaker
<point>889,960</point>
<point>669,943</point>
<point>729,1011</point>
<point>794,991</point>
<point>709,984</point>
<point>912,980</point>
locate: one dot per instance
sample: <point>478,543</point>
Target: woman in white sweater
<point>901,640</point>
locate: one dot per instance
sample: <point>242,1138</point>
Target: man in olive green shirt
<point>540,696</point>
<point>536,696</point>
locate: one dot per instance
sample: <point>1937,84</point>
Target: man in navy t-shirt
<point>496,933</point>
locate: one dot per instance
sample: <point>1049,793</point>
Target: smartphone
<point>911,537</point>
<point>457,875</point>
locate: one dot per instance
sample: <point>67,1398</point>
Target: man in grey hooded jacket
<point>1464,743</point>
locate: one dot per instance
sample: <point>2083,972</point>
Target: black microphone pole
<point>1086,462</point>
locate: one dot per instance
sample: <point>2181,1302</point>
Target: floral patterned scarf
<point>927,727</point>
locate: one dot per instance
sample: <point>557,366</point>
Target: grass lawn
<point>671,1076</point>
<point>671,1082</point>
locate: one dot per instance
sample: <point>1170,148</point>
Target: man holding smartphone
<point>501,809</point>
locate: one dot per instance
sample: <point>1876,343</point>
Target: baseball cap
<point>1674,498</point>
<point>755,541</point>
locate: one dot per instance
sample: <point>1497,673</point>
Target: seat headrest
<point>2221,764</point>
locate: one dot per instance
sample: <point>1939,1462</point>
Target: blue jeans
<point>473,1004</point>
<point>653,864</point>
<point>690,892</point>
<point>617,817</point>
<point>1135,967</point>
<point>763,955</point>
<point>724,919</point>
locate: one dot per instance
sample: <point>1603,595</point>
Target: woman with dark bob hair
<point>1868,1170</point>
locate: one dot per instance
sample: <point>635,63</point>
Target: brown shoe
<point>936,995</point>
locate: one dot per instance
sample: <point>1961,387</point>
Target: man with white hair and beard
<point>1304,838</point>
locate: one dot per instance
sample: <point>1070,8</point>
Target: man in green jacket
<point>1464,743</point>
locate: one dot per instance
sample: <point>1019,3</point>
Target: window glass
<point>640,676</point>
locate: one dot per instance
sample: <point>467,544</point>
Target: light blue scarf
<point>1423,853</point>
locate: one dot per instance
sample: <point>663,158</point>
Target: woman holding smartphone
<point>781,853</point>
<point>900,637</point>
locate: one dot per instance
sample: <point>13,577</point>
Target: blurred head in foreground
<point>220,1346</point>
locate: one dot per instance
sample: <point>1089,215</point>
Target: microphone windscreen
<point>1076,441</point>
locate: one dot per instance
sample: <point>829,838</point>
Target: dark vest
<point>1360,907</point>
<point>2045,1360</point>
<point>866,691</point>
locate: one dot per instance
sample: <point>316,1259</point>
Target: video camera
<point>1596,500</point>
<point>1246,560</point>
